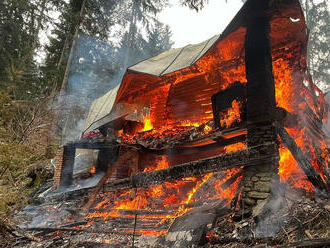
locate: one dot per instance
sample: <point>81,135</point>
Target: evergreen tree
<point>317,18</point>
<point>16,39</point>
<point>133,13</point>
<point>159,39</point>
<point>96,20</point>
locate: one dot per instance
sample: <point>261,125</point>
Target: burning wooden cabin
<point>228,118</point>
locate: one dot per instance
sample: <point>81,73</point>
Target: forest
<point>42,42</point>
<point>57,56</point>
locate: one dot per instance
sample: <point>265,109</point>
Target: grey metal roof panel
<point>101,107</point>
<point>174,59</point>
<point>156,65</point>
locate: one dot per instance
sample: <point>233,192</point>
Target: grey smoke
<point>326,125</point>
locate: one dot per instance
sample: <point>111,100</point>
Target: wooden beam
<point>98,187</point>
<point>312,175</point>
<point>246,157</point>
<point>221,142</point>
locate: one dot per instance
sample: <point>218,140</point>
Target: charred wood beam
<point>95,145</point>
<point>246,157</point>
<point>77,223</point>
<point>109,172</point>
<point>80,194</point>
<point>231,180</point>
<point>132,212</point>
<point>303,162</point>
<point>285,118</point>
<point>69,153</point>
<point>45,230</point>
<point>221,142</point>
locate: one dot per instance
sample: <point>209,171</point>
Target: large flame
<point>232,115</point>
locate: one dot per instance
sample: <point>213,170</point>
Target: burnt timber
<point>304,164</point>
<point>247,157</point>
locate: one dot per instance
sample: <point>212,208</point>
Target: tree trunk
<point>73,46</point>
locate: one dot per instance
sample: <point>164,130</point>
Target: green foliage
<point>24,140</point>
<point>159,39</point>
<point>28,87</point>
<point>195,4</point>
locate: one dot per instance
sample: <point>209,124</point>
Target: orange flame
<point>235,147</point>
<point>231,115</point>
<point>147,124</point>
<point>290,172</point>
<point>92,170</point>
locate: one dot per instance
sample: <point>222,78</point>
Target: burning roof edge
<point>180,58</point>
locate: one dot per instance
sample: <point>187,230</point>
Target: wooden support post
<point>260,101</point>
<point>312,175</point>
<point>105,157</point>
<point>104,179</point>
<point>69,153</point>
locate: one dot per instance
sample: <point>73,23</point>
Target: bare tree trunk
<point>69,64</point>
<point>73,46</point>
<point>131,35</point>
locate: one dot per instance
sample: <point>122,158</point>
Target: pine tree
<point>159,39</point>
<point>317,18</point>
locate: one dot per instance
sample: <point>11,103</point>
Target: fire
<point>231,115</point>
<point>147,124</point>
<point>161,165</point>
<point>235,147</point>
<point>207,129</point>
<point>190,110</point>
<point>289,171</point>
<point>285,90</point>
<point>325,153</point>
<point>199,184</point>
<point>187,123</point>
<point>227,193</point>
<point>148,232</point>
<point>120,132</point>
<point>92,170</point>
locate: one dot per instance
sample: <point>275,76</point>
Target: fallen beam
<point>131,212</point>
<point>221,142</point>
<point>109,172</point>
<point>46,230</point>
<point>303,162</point>
<point>247,157</point>
<point>94,145</point>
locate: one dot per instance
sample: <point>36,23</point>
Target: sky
<point>191,27</point>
